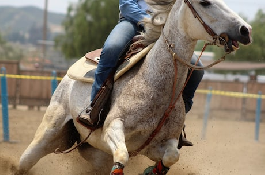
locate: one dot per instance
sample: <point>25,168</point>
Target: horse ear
<point>160,19</point>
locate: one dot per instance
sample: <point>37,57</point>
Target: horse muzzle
<point>232,43</point>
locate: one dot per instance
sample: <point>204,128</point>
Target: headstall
<point>223,38</point>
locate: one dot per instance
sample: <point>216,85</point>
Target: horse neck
<point>174,31</point>
<point>161,60</point>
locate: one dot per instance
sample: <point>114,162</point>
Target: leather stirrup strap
<point>103,94</point>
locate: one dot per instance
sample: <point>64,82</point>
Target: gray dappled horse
<point>143,95</point>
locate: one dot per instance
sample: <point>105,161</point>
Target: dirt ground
<point>229,148</point>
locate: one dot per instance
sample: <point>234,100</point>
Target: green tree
<point>87,26</point>
<point>200,45</point>
<point>9,52</point>
<point>2,41</point>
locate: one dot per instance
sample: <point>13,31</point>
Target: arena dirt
<point>229,148</point>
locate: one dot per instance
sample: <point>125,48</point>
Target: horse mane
<point>154,24</point>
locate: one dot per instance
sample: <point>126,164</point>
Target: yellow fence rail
<point>214,92</point>
<point>231,94</point>
<point>30,77</point>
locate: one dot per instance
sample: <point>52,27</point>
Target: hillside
<point>21,19</point>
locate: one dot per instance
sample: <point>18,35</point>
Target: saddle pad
<point>84,69</point>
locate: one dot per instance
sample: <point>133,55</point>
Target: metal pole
<point>244,103</point>
<point>207,111</point>
<point>257,119</point>
<point>4,99</point>
<point>44,36</point>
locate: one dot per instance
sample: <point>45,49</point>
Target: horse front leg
<point>115,138</point>
<point>170,157</point>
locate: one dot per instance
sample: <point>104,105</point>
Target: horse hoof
<point>158,169</point>
<point>149,171</point>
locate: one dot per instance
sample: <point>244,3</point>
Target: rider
<point>131,13</point>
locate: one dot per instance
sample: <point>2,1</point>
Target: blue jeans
<point>119,37</point>
<point>192,84</point>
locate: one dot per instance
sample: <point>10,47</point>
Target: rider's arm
<point>131,10</point>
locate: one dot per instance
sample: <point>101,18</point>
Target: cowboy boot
<point>183,141</point>
<point>92,116</point>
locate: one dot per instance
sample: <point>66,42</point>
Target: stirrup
<point>85,119</point>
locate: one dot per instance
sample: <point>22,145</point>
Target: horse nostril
<point>244,31</point>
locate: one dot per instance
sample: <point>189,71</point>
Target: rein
<point>188,64</point>
<point>223,38</point>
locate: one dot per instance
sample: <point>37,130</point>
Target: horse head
<point>213,21</point>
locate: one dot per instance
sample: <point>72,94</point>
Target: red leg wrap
<point>117,169</point>
<point>160,169</point>
<point>117,172</point>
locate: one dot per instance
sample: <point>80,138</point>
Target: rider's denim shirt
<point>133,10</point>
<point>142,4</point>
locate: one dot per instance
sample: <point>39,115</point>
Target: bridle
<point>223,38</point>
<point>208,29</point>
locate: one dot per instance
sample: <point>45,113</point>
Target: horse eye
<point>205,3</point>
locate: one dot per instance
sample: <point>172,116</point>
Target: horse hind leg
<point>170,157</point>
<point>100,162</point>
<point>55,131</point>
